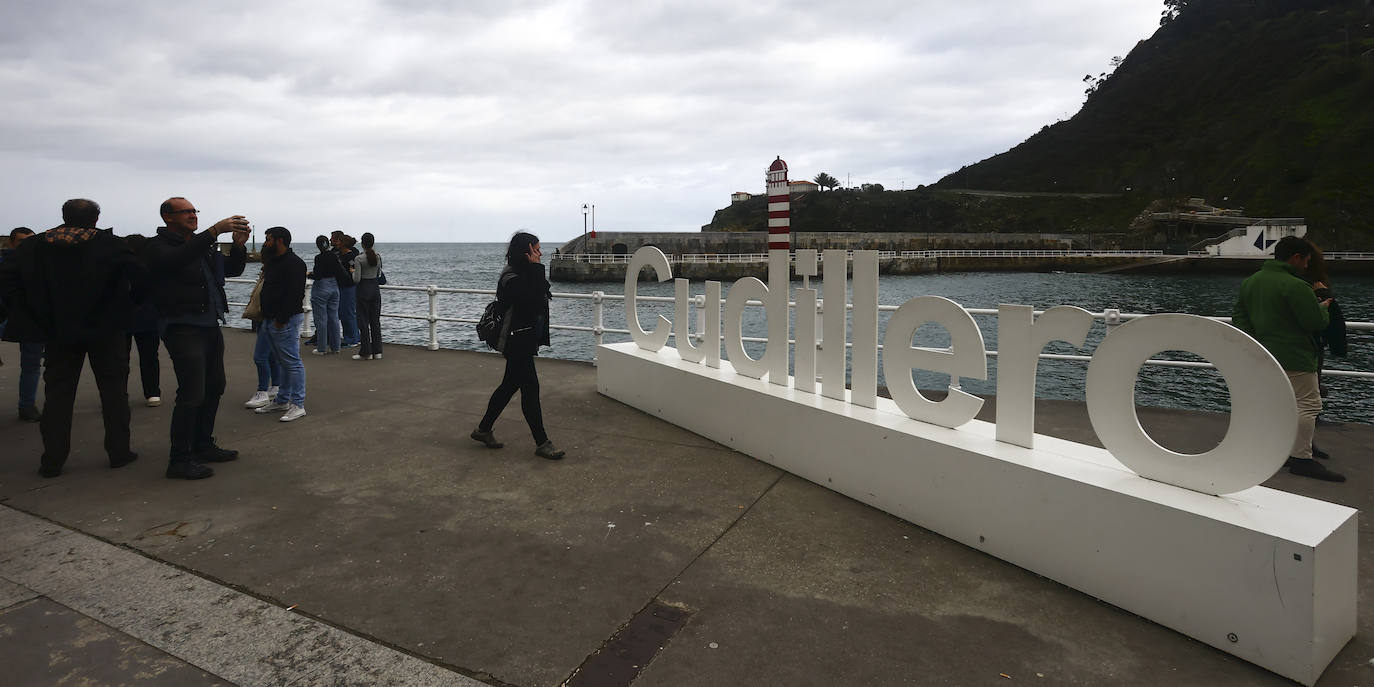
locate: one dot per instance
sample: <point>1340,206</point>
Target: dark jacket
<point>326,266</point>
<point>68,285</point>
<point>283,287</point>
<point>347,256</point>
<point>525,288</point>
<point>174,264</point>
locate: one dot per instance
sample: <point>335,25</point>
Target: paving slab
<point>377,516</point>
<point>45,643</point>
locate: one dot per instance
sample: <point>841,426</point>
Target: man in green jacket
<point>1280,309</point>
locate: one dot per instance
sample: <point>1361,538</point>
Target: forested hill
<point>1265,105</point>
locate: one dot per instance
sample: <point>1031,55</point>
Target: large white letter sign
<point>966,358</point>
<point>1020,338</point>
<point>646,256</point>
<point>1264,415</point>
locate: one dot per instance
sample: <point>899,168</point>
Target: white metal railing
<point>598,329</point>
<point>713,258</point>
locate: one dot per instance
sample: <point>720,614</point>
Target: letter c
<point>646,256</point>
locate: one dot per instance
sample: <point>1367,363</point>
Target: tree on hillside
<point>1172,8</point>
<point>826,181</point>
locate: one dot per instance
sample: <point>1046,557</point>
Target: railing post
<point>1112,317</point>
<point>700,334</point>
<point>598,323</point>
<point>433,317</point>
<point>309,319</point>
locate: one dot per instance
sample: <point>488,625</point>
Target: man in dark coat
<point>283,293</point>
<point>187,274</point>
<point>30,345</point>
<point>70,286</point>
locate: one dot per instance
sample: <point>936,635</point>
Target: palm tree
<point>826,181</point>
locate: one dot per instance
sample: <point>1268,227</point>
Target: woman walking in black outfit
<point>524,289</point>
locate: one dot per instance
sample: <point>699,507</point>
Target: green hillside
<point>1263,105</point>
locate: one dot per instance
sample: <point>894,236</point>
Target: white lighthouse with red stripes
<point>779,207</point>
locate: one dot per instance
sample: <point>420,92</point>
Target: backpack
<point>494,325</point>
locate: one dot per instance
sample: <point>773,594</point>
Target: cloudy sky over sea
<point>428,120</point>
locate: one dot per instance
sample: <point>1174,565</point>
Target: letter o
<point>1264,415</point>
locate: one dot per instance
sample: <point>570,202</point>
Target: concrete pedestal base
<point>1262,574</point>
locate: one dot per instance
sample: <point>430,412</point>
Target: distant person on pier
<point>283,291</point>
<point>187,272</point>
<point>266,362</point>
<point>524,289</point>
<point>30,348</point>
<point>1333,337</point>
<point>142,330</point>
<point>324,297</point>
<point>71,287</point>
<point>344,249</point>
<point>369,266</point>
<point>1281,310</point>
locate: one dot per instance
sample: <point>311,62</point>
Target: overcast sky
<point>430,120</point>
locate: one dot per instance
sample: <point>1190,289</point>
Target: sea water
<point>476,266</point>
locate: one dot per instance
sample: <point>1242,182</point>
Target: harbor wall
<point>573,271</point>
<point>627,242</point>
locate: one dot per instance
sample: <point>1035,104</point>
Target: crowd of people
<point>76,293</point>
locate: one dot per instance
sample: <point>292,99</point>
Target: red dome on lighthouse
<point>778,165</point>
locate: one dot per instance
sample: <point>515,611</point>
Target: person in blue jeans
<point>324,298</point>
<point>269,368</point>
<point>283,289</point>
<point>30,352</point>
<point>347,252</point>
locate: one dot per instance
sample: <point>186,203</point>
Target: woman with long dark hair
<point>324,298</point>
<point>368,266</point>
<point>523,289</point>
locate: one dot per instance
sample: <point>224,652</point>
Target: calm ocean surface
<point>469,265</point>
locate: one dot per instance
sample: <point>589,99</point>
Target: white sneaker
<point>153,401</point>
<point>259,399</point>
<point>317,352</point>
<point>271,408</point>
<point>377,356</point>
<point>361,357</point>
<point>293,412</point>
<point>272,392</point>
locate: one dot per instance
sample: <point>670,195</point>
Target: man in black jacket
<point>282,298</point>
<point>30,349</point>
<point>187,274</point>
<point>70,287</point>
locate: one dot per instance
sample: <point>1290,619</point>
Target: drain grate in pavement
<point>620,660</point>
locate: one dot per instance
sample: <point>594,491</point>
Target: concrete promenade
<point>372,542</point>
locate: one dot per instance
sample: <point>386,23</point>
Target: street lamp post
<point>584,227</point>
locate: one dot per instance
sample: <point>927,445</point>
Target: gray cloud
<point>437,121</point>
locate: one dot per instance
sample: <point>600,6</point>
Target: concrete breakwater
<point>572,270</point>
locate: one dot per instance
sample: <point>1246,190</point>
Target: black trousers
<point>369,317</point>
<point>520,376</point>
<point>148,369</point>
<point>197,355</point>
<point>110,364</point>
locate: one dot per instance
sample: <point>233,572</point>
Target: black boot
<point>1306,467</point>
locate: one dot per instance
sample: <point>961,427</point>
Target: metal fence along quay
<point>598,330</point>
